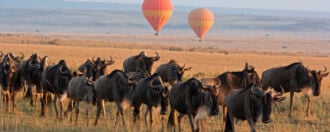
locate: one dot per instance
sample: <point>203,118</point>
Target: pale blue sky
<point>309,5</point>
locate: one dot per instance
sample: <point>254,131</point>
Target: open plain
<point>207,59</point>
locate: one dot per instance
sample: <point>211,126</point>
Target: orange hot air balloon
<point>157,12</point>
<point>201,20</point>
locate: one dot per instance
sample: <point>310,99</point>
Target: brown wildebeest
<point>233,80</point>
<point>294,78</point>
<point>191,98</point>
<point>113,88</point>
<point>140,63</point>
<point>10,80</point>
<point>249,104</point>
<point>55,79</point>
<point>171,72</point>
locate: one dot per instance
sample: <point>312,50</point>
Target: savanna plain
<point>205,60</point>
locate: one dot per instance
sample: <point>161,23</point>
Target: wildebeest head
<point>91,95</point>
<point>251,75</point>
<point>269,98</point>
<point>149,61</point>
<point>211,101</point>
<point>316,80</point>
<point>34,67</point>
<point>63,70</point>
<point>8,66</point>
<point>101,65</point>
<point>158,91</point>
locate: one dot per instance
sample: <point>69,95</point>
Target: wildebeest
<point>148,91</point>
<point>55,79</point>
<point>171,72</point>
<point>113,88</point>
<point>294,78</point>
<point>98,66</point>
<point>31,74</point>
<point>249,104</point>
<point>140,63</point>
<point>10,80</point>
<point>191,98</point>
<point>81,88</point>
<point>234,80</point>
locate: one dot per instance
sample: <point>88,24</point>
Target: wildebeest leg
<point>291,101</point>
<point>98,112</point>
<point>171,122</point>
<point>136,114</point>
<point>149,109</point>
<point>43,104</point>
<point>308,105</point>
<point>72,104</point>
<point>55,107</point>
<point>197,125</point>
<point>103,108</point>
<point>87,107</point>
<point>224,113</point>
<point>252,125</point>
<point>120,111</point>
<point>6,100</point>
<point>77,110</point>
<point>180,116</point>
<point>61,108</point>
<point>13,101</point>
<point>277,108</point>
<point>191,122</point>
<point>69,109</point>
<point>229,125</point>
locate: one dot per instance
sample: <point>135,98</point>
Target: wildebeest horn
<point>110,61</point>
<point>22,56</point>
<point>246,66</point>
<point>156,57</point>
<point>62,71</point>
<point>1,54</point>
<point>325,69</point>
<point>93,59</point>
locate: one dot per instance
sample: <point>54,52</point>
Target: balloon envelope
<point>157,12</point>
<point>201,20</point>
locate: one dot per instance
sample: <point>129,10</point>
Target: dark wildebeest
<point>113,88</point>
<point>55,79</point>
<point>10,80</point>
<point>98,66</point>
<point>148,91</point>
<point>233,80</point>
<point>294,78</point>
<point>81,88</point>
<point>249,104</point>
<point>191,98</point>
<point>171,72</point>
<point>140,63</point>
<point>31,75</point>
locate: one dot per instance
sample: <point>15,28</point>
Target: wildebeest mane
<point>114,72</point>
<point>293,64</point>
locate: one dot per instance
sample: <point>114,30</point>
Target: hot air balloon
<point>200,20</point>
<point>157,13</point>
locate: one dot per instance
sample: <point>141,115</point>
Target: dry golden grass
<point>205,64</point>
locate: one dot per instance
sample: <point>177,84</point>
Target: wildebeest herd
<point>242,94</point>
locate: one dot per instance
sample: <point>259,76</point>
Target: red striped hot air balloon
<point>200,20</point>
<point>157,12</point>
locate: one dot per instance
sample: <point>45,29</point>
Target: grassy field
<point>204,63</point>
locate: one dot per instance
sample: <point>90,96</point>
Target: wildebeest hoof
<point>267,121</point>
